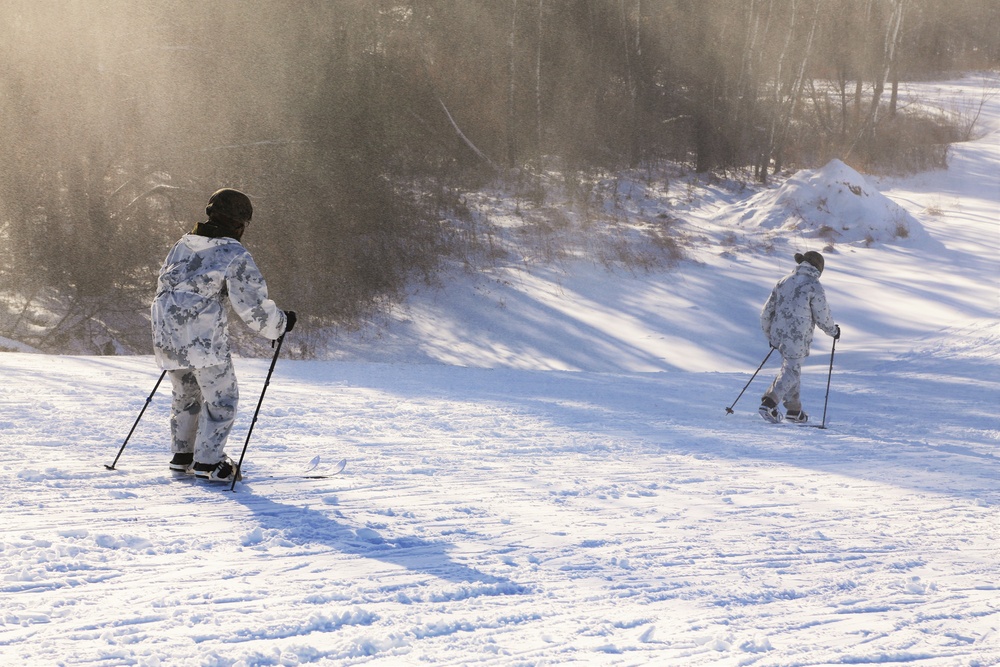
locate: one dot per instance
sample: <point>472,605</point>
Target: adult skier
<point>796,306</point>
<point>206,272</point>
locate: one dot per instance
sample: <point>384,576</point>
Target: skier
<point>205,272</point>
<point>796,306</point>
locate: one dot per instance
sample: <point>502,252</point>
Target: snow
<point>540,466</point>
<point>834,203</point>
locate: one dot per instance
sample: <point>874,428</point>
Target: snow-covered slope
<point>552,478</point>
<point>905,259</point>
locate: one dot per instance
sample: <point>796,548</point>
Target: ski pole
<point>729,410</point>
<point>828,378</point>
<point>148,399</point>
<point>267,381</point>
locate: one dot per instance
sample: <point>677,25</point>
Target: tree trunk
<point>538,85</point>
<point>630,84</point>
<point>894,97</point>
<point>888,58</point>
<point>511,71</point>
<point>796,94</point>
<point>778,101</point>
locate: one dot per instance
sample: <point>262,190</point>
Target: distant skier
<point>796,306</point>
<point>207,271</point>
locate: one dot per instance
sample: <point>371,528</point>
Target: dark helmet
<point>228,205</point>
<point>813,258</point>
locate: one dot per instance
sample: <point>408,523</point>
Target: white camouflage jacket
<point>199,277</point>
<point>796,306</point>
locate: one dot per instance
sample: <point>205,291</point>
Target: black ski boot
<point>182,462</point>
<point>222,471</point>
<point>797,416</point>
<point>769,411</point>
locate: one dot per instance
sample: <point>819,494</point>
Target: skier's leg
<point>769,401</point>
<point>772,397</point>
<point>769,398</point>
<point>220,399</point>
<point>792,384</point>
<point>786,383</point>
<point>184,410</point>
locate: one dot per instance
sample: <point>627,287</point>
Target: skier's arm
<point>767,316</point>
<point>821,312</point>
<point>248,296</point>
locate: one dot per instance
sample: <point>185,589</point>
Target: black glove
<point>836,336</point>
<point>290,318</point>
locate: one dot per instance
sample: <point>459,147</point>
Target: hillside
<point>907,259</point>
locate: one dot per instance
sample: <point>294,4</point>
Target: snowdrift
<point>835,204</point>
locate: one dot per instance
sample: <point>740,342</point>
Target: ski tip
<point>336,470</point>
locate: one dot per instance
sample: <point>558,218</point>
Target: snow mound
<point>11,345</point>
<point>834,203</point>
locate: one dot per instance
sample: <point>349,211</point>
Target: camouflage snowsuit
<point>796,306</point>
<point>200,277</point>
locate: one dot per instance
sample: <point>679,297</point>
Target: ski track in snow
<point>512,516</point>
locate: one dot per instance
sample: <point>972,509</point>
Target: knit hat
<point>230,206</point>
<point>812,257</point>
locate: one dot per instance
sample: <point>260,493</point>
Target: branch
<point>465,139</point>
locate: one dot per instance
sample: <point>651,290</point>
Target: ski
<point>314,464</point>
<point>806,424</point>
<point>785,422</point>
<point>309,474</point>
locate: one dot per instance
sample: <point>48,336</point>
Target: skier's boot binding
<point>769,411</point>
<point>222,471</point>
<point>797,416</point>
<point>182,461</point>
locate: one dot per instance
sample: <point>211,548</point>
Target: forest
<point>356,125</point>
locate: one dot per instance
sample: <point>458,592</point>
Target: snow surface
<point>541,470</point>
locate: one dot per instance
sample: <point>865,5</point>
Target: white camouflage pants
<point>203,410</point>
<point>787,384</point>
